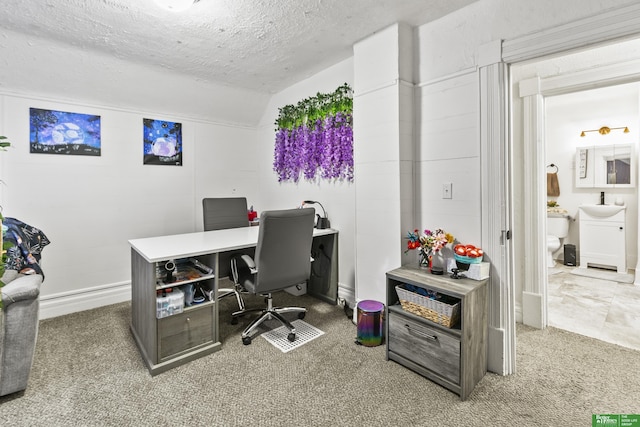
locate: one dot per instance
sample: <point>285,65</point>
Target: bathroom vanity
<point>602,236</point>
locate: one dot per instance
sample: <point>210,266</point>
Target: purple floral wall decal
<point>314,139</point>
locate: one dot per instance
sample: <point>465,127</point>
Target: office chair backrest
<point>284,248</point>
<point>224,212</point>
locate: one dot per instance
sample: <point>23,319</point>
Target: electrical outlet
<point>446,190</point>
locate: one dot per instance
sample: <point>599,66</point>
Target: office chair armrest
<point>248,262</point>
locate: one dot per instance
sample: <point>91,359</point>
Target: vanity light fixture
<point>605,130</point>
<point>176,5</point>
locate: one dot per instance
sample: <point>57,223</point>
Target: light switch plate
<point>446,190</point>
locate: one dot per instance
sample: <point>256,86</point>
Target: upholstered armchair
<point>18,329</point>
<point>21,303</point>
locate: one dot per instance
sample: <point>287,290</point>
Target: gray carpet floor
<point>87,371</point>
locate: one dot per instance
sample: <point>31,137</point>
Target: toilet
<point>557,229</point>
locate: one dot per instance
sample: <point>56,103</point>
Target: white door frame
<point>496,206</point>
<point>603,28</point>
<point>533,91</point>
<point>607,27</point>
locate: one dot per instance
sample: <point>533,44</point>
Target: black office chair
<point>282,259</point>
<point>221,213</point>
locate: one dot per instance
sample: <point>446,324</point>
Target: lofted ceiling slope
<point>259,45</point>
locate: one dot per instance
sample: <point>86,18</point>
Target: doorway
<point>601,308</point>
<point>533,84</point>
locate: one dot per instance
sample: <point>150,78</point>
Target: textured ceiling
<point>262,45</point>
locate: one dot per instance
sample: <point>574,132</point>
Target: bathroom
<point>599,302</point>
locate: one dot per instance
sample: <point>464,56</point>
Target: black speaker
<point>570,255</point>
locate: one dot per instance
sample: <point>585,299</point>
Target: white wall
<point>450,44</point>
<point>383,151</point>
<point>337,197</point>
<point>590,61</point>
<point>43,68</point>
<point>116,197</point>
<point>448,124</point>
<point>225,165</point>
<point>90,207</point>
<point>449,152</point>
<point>566,116</point>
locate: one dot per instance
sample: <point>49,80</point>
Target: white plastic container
<point>171,304</point>
<point>479,271</point>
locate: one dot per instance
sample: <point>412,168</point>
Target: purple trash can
<point>370,322</point>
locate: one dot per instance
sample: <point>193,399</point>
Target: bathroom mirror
<point>606,166</point>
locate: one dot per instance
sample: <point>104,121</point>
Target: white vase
<point>438,262</point>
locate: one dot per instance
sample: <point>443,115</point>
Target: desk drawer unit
<point>185,331</point>
<point>426,346</point>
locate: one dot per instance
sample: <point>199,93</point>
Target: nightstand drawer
<point>185,331</point>
<point>429,347</point>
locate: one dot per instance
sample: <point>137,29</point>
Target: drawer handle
<point>420,333</point>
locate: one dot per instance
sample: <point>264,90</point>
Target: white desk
<point>174,340</point>
<point>162,248</point>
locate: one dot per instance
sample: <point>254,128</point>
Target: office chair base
<point>225,292</point>
<point>291,337</point>
<point>272,313</point>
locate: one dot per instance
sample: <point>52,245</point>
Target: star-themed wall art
<point>61,132</point>
<point>162,142</point>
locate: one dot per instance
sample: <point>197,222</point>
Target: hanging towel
<point>553,188</point>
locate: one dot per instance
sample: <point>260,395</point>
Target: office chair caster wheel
<point>302,314</point>
<point>234,320</point>
<point>246,340</point>
<point>291,337</point>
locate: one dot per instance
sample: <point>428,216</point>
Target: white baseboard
<point>347,293</point>
<point>532,309</point>
<point>99,296</point>
<point>496,351</point>
<point>518,310</point>
<point>83,299</point>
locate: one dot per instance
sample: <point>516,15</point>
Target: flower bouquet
<point>429,243</point>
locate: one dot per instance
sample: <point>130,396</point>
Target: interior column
<point>383,117</point>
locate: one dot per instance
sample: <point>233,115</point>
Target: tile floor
<point>602,309</point>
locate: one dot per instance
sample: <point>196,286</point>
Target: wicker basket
<point>443,312</point>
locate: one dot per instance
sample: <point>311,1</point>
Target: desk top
<point>162,248</point>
